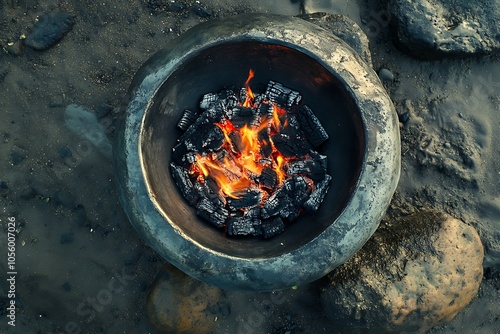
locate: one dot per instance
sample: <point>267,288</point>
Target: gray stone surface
<point>411,276</point>
<point>434,29</point>
<point>344,28</point>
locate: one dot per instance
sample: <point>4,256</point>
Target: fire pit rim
<point>381,129</point>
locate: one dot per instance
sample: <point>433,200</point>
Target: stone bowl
<point>343,91</point>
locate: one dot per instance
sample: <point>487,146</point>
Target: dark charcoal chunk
<point>317,196</point>
<point>50,29</point>
<point>184,184</point>
<point>290,146</point>
<point>272,227</point>
<point>287,201</point>
<point>321,159</point>
<point>243,226</point>
<point>311,126</point>
<point>282,96</point>
<point>242,116</point>
<point>268,178</point>
<point>212,212</point>
<point>188,118</point>
<point>310,168</point>
<point>265,109</point>
<point>246,200</point>
<point>254,213</point>
<point>208,100</point>
<point>214,140</point>
<point>205,190</point>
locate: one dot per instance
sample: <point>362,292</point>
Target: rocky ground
<point>80,265</point>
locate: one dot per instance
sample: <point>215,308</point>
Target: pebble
<point>200,11</point>
<point>404,117</point>
<point>386,75</point>
<point>49,29</point>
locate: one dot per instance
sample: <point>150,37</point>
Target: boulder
<point>410,276</point>
<point>434,29</point>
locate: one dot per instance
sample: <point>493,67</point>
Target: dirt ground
<point>73,238</point>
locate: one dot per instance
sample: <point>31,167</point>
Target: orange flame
<point>234,174</point>
<point>250,96</point>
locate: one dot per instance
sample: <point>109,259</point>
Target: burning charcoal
<point>265,109</point>
<point>310,168</point>
<point>317,196</point>
<point>205,191</point>
<point>179,154</point>
<point>243,226</point>
<point>277,202</point>
<point>242,116</point>
<point>212,212</point>
<point>208,100</point>
<point>321,159</point>
<point>310,124</point>
<point>268,178</point>
<point>229,99</point>
<point>290,146</point>
<point>272,227</point>
<point>254,213</point>
<point>236,143</point>
<point>181,178</point>
<point>245,200</point>
<point>282,96</point>
<point>214,139</point>
<point>188,118</point>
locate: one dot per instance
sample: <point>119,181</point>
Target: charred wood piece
<point>243,226</point>
<point>188,118</point>
<point>282,96</point>
<point>184,184</point>
<point>290,146</point>
<point>268,178</point>
<point>311,126</point>
<point>242,116</point>
<point>317,196</point>
<point>311,168</point>
<point>212,212</point>
<point>247,199</point>
<point>208,100</point>
<point>272,227</point>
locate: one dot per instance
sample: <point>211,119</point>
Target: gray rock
<point>386,75</point>
<point>49,29</point>
<point>344,28</point>
<point>435,29</point>
<point>409,277</point>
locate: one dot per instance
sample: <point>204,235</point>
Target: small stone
<point>404,117</point>
<point>386,75</point>
<point>14,48</point>
<point>447,145</point>
<point>409,277</point>
<point>200,11</point>
<point>49,29</point>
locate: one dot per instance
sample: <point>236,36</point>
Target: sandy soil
<point>73,237</point>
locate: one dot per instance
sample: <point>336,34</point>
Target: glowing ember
<point>250,160</point>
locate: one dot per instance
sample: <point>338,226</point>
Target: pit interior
<point>225,65</point>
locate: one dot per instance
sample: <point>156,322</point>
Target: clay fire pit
<point>347,97</point>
